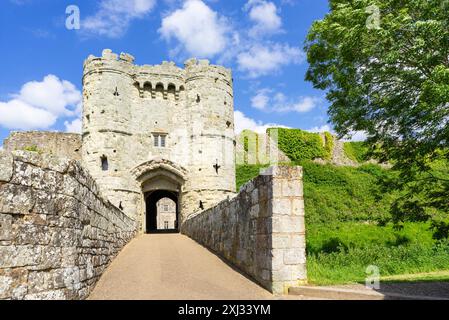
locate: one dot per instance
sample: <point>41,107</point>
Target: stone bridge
<point>58,236</point>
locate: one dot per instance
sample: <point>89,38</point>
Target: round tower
<point>212,164</point>
<point>108,91</point>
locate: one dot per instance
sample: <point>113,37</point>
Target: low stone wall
<point>261,230</point>
<point>60,144</point>
<point>57,233</point>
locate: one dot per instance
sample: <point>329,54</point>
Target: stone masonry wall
<point>57,233</point>
<point>66,145</point>
<point>261,230</point>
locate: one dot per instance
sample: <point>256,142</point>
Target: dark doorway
<point>151,199</point>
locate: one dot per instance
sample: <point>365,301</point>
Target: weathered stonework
<point>261,230</point>
<point>65,145</point>
<point>127,107</point>
<point>57,233</point>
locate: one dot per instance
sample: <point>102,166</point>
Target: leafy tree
<point>385,66</point>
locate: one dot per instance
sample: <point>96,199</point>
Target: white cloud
<point>16,114</point>
<point>198,29</point>
<point>265,16</point>
<point>262,60</point>
<point>51,94</point>
<point>324,128</point>
<point>243,122</point>
<point>73,126</point>
<point>114,16</point>
<point>39,104</point>
<point>270,101</point>
<point>303,105</point>
<point>261,99</point>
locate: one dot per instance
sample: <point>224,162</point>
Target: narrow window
<point>159,140</point>
<point>104,163</point>
<point>166,225</point>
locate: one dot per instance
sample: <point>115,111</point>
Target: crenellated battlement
<point>167,73</point>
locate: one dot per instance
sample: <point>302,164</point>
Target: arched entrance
<point>159,179</point>
<point>154,212</point>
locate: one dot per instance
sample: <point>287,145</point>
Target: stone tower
<point>153,132</point>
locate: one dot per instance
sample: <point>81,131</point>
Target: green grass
<point>346,214</point>
<point>324,238</point>
<point>348,266</point>
<point>341,253</point>
<point>345,193</point>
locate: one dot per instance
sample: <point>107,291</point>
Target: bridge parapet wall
<point>58,233</point>
<point>261,230</point>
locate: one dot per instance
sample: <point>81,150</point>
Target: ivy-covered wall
<point>356,151</point>
<point>301,145</point>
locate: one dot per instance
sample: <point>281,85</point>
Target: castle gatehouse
<point>158,131</point>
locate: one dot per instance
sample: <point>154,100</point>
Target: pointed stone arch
<point>159,178</point>
<point>159,167</point>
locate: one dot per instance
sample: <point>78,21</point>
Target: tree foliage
<point>391,81</point>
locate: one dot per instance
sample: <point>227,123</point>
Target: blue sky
<point>261,40</point>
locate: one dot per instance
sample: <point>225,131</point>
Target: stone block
<point>280,241</point>
<point>288,224</point>
<point>298,240</point>
<point>298,207</point>
<point>19,256</point>
<point>294,256</point>
<point>281,206</point>
<point>6,227</point>
<point>6,166</point>
<point>285,273</point>
<point>292,188</point>
<point>16,199</point>
<point>13,283</point>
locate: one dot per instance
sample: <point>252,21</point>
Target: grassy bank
<point>346,214</point>
<point>341,253</point>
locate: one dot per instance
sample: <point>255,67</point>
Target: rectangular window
<point>159,140</point>
<point>166,225</point>
<point>165,207</point>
